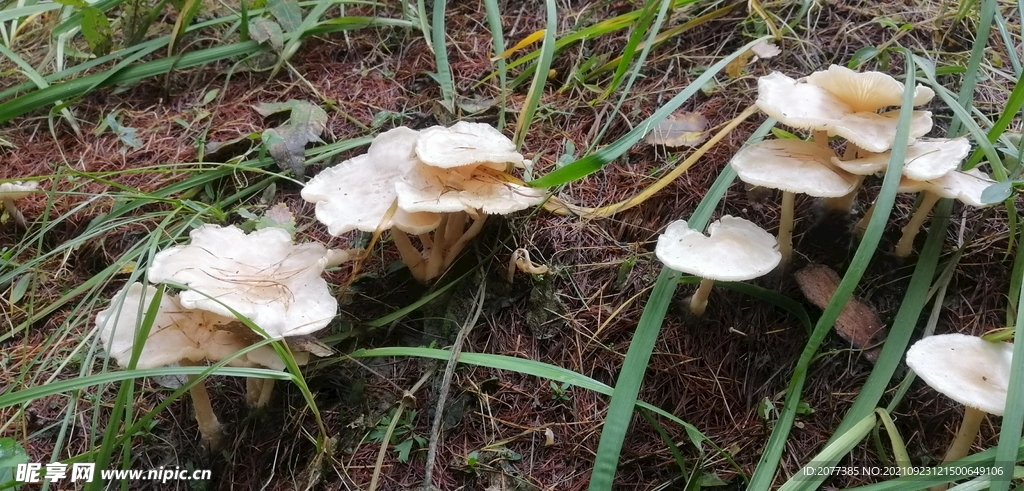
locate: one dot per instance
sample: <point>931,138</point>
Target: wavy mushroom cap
<point>811,107</point>
<point>967,369</point>
<point>924,160</point>
<point>866,91</point>
<point>466,144</point>
<point>357,193</point>
<point>17,189</point>
<point>734,250</point>
<point>262,275</point>
<point>794,166</point>
<point>465,188</point>
<point>178,334</point>
<point>963,186</point>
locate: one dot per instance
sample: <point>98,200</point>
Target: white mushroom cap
<point>177,333</point>
<point>925,159</point>
<point>965,186</point>
<point>810,107</point>
<point>465,144</point>
<point>795,166</point>
<point>967,369</point>
<point>866,91</point>
<point>734,250</point>
<point>263,276</point>
<point>17,189</point>
<point>357,193</point>
<point>465,188</point>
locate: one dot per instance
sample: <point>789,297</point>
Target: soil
<point>717,372</point>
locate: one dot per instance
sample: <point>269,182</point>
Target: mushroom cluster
<point>841,102</point>
<point>262,276</point>
<point>438,184</point>
<point>13,191</point>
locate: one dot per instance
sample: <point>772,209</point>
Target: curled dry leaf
<point>858,322</point>
<point>681,128</point>
<point>549,437</point>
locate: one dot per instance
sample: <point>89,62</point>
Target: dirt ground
<point>714,372</point>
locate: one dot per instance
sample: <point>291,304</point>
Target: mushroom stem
<point>910,230</point>
<point>209,426</point>
<point>699,300</point>
<point>820,138</point>
<point>965,436</point>
<point>844,203</point>
<point>410,256</point>
<point>258,391</point>
<point>786,227</point>
<point>15,213</point>
<point>862,225</point>
<point>435,259</point>
<point>472,231</point>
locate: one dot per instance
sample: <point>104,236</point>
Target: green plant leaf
<point>264,30</point>
<point>97,31</point>
<point>11,454</point>
<point>997,193</point>
<point>287,12</point>
<point>287,143</point>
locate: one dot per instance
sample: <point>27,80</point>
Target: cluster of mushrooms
<point>438,184</point>
<point>434,188</point>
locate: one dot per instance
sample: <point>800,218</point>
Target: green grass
<point>64,365</point>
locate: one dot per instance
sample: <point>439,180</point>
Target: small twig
<point>442,396</point>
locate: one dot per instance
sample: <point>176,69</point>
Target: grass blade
<point>595,161</point>
<point>540,77</point>
<point>443,77</point>
<point>769,462</point>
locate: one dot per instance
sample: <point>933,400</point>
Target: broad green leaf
<point>11,454</point>
<point>287,143</point>
<point>18,292</point>
<point>997,193</point>
<point>287,12</point>
<point>97,31</point>
<point>265,30</point>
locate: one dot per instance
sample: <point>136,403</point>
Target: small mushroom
<point>969,370</point>
<point>180,336</point>
<point>792,166</point>
<point>841,102</point>
<point>734,250</point>
<point>965,187</point>
<point>13,191</point>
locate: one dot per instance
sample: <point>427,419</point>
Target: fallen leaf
<point>287,143</point>
<point>857,323</point>
<point>681,128</point>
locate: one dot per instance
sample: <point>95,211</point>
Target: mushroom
<point>734,250</point>
<point>841,102</point>
<point>924,160</point>
<point>180,335</point>
<point>792,166</point>
<point>262,276</point>
<point>13,191</point>
<point>965,187</point>
<point>447,174</point>
<point>969,370</point>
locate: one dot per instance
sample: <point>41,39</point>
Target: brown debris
<point>857,323</point>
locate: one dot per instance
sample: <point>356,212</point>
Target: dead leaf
<point>287,143</point>
<point>681,128</point>
<point>309,344</point>
<point>857,323</point>
<point>735,67</point>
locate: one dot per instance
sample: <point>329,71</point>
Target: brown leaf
<point>681,128</point>
<point>858,322</point>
